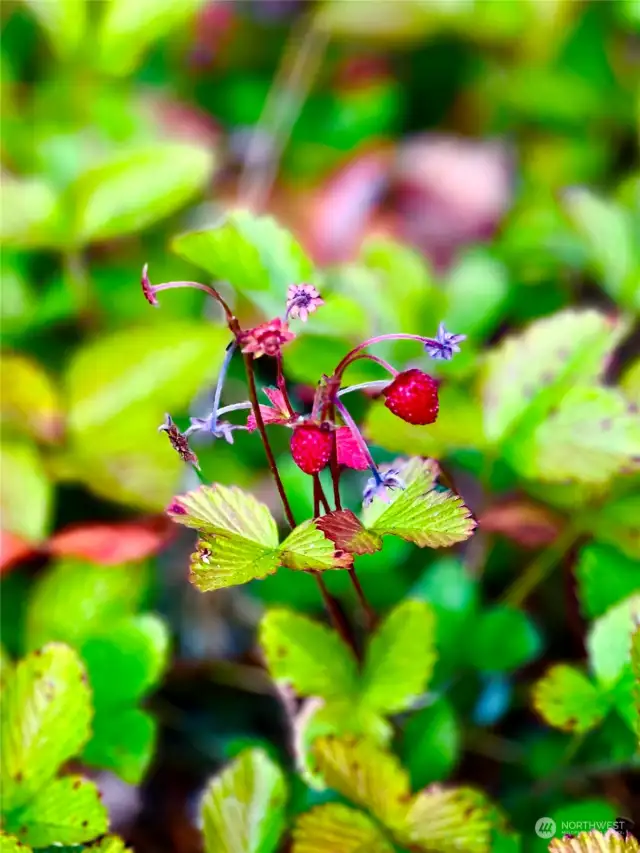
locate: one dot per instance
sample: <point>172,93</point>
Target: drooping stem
<point>257,413</point>
<point>231,348</point>
<point>199,475</point>
<point>375,385</point>
<point>362,444</point>
<point>150,291</point>
<point>375,358</point>
<point>396,336</point>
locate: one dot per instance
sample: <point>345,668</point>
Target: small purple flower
<point>178,441</point>
<point>302,300</point>
<point>377,485</point>
<point>210,425</point>
<point>444,345</point>
<point>147,288</point>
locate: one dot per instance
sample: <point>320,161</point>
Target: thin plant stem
<point>367,609</point>
<point>396,336</point>
<point>257,413</point>
<point>321,497</point>
<point>200,475</point>
<point>540,568</point>
<point>337,619</point>
<point>335,468</point>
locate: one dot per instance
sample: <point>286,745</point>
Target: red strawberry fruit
<point>311,447</point>
<point>413,396</point>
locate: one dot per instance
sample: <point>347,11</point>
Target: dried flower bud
<point>178,441</point>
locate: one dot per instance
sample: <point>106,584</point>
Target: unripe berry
<point>413,396</point>
<point>311,447</point>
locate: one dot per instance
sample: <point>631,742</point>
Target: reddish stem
<point>282,385</point>
<point>396,336</point>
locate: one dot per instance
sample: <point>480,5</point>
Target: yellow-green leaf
<point>29,401</point>
<point>421,513</point>
<point>45,720</point>
<point>591,436</point>
<point>31,215</point>
<point>609,640</point>
<point>365,774</point>
<point>339,829</point>
<point>529,373</point>
<point>67,811</point>
<point>64,22</point>
<point>595,842</point>
<point>122,741</point>
<point>26,494</point>
<point>10,844</point>
<point>307,655</point>
<point>128,29</point>
<point>226,511</point>
<point>400,658</point>
<point>243,808</point>
<point>307,548</point>
<point>137,188</point>
<point>447,820</point>
<point>568,700</point>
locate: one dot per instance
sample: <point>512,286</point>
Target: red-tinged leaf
<point>527,523</point>
<point>349,451</point>
<point>112,544</point>
<point>13,549</point>
<point>277,413</point>
<point>348,533</point>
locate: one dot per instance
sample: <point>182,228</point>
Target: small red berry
<point>311,447</point>
<point>413,396</point>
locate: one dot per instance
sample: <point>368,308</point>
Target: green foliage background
<point>124,142</point>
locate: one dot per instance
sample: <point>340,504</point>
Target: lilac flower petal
<point>444,345</point>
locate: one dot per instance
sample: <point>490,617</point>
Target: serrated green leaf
<point>623,696</point>
<point>610,239</point>
<point>128,29</point>
<point>45,720</point>
<point>31,215</point>
<point>67,811</point>
<point>447,820</point>
<point>307,548</point>
<point>431,743</point>
<point>221,561</point>
<point>365,774</point>
<point>243,808</point>
<point>124,663</point>
<point>64,22</point>
<point>617,523</point>
<point>605,577</point>
<point>595,841</point>
<point>307,655</point>
<point>10,844</point>
<point>26,494</point>
<point>529,373</point>
<point>240,538</point>
<point>590,437</point>
<point>123,742</point>
<point>112,380</point>
<point>400,658</point>
<point>340,829</point>
<point>137,188</point>
<point>336,717</point>
<point>488,650</point>
<point>29,401</point>
<point>95,595</point>
<point>568,700</point>
<point>609,640</point>
<point>420,513</point>
<point>255,254</point>
<point>226,511</point>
